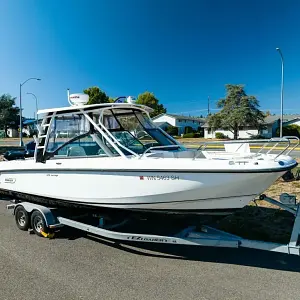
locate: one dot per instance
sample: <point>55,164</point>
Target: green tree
<point>237,109</point>
<point>150,100</point>
<point>9,113</point>
<point>267,113</point>
<point>96,96</point>
<point>290,130</point>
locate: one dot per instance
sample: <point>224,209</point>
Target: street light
<point>21,125</point>
<point>281,101</point>
<point>36,107</point>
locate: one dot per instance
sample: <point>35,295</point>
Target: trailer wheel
<point>38,223</point>
<point>22,218</point>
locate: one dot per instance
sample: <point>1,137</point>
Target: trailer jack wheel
<point>38,224</point>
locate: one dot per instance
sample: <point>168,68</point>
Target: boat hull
<point>155,191</point>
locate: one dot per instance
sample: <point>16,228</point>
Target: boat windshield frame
<point>108,139</point>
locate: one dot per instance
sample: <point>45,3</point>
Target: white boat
<point>113,156</point>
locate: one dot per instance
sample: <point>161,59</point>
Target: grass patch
<point>260,223</point>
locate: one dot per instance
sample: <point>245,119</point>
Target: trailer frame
<point>207,236</point>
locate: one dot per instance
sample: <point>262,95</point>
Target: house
<point>29,126</point>
<point>267,129</point>
<point>12,133</point>
<point>291,120</point>
<point>181,122</point>
<point>162,125</point>
<point>244,132</point>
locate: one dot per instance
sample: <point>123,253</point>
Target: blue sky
<point>183,51</point>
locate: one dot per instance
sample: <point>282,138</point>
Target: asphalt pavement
<point>75,266</point>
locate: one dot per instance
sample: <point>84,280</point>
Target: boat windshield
<point>135,131</point>
<point>74,135</point>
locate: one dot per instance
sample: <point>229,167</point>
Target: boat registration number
<point>160,177</point>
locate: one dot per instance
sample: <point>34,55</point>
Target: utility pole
<point>281,92</point>
<point>208,111</point>
<point>36,109</point>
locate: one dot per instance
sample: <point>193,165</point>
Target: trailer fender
<point>45,211</point>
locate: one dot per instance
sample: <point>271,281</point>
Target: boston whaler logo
<point>9,180</point>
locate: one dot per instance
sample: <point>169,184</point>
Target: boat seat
<point>76,151</point>
<point>237,148</point>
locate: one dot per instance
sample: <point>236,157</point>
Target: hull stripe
<point>25,196</point>
<point>140,171</point>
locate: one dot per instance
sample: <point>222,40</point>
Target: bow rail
<point>289,143</point>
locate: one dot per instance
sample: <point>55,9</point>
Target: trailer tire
<point>22,218</point>
<point>38,223</point>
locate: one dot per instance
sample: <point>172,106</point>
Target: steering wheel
<point>141,134</point>
<point>152,144</point>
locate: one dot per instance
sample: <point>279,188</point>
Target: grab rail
<point>297,143</point>
<point>158,147</point>
<point>276,141</point>
<point>287,147</point>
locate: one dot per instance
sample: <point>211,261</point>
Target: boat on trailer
<point>112,156</point>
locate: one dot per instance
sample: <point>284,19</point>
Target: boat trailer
<point>44,221</point>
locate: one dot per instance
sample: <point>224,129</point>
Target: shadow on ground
<point>243,257</point>
<point>252,222</point>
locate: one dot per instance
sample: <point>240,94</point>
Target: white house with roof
<point>267,129</point>
<point>291,120</point>
<point>29,125</point>
<point>181,122</point>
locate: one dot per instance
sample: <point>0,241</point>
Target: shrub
<point>200,131</point>
<point>220,135</point>
<point>257,137</point>
<point>290,130</point>
<point>2,134</point>
<point>191,135</point>
<point>172,130</point>
<point>188,129</point>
